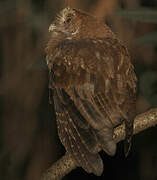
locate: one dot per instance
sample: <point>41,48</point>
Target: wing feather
<point>81,143</point>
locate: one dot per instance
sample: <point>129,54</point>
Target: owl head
<point>73,23</point>
<point>66,22</point>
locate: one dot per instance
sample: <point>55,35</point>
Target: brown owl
<point>93,86</point>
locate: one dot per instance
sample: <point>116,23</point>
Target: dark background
<point>29,142</point>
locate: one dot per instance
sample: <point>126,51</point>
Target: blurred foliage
<point>144,15</point>
<point>148,87</point>
<point>28,136</point>
<point>150,39</point>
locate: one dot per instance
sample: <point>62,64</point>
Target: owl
<point>92,84</point>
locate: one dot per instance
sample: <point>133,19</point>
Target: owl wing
<point>93,81</point>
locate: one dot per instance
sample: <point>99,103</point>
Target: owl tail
<point>106,141</point>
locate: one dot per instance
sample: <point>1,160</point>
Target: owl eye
<point>68,20</point>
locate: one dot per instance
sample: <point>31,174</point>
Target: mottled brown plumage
<point>93,84</point>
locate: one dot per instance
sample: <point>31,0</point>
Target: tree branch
<point>66,164</point>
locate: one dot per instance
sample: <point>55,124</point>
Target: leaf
<point>150,39</point>
<point>145,15</point>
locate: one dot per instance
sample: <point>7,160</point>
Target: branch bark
<point>66,164</point>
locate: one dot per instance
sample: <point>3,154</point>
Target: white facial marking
<point>75,32</point>
<point>52,27</point>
